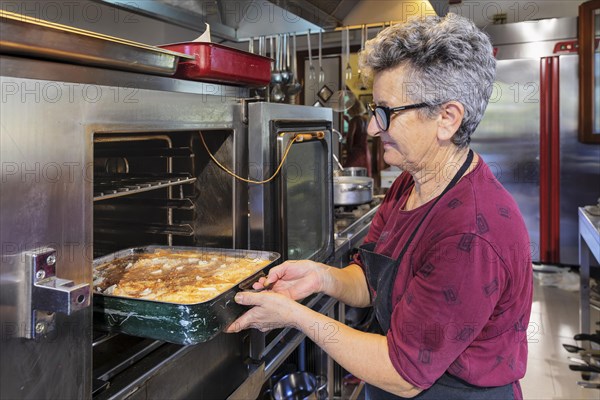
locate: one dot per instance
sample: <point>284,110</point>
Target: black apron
<point>379,269</point>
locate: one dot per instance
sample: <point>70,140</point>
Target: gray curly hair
<point>446,59</point>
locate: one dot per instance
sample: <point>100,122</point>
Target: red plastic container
<point>222,64</point>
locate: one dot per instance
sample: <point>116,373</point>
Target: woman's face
<point>409,137</point>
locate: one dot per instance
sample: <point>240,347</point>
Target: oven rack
<point>134,203</point>
<point>117,185</point>
<point>144,152</point>
<point>116,226</point>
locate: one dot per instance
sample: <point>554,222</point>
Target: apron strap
<point>452,183</point>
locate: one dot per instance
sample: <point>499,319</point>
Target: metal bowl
<point>300,386</point>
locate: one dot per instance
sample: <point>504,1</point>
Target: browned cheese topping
<point>174,277</point>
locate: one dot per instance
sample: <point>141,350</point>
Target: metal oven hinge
<point>245,103</point>
<point>49,294</point>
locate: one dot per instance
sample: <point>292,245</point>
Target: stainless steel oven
<point>95,160</point>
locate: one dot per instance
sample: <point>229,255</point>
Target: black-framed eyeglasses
<point>383,114</point>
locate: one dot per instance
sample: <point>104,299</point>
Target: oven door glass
<point>293,213</point>
<point>305,191</point>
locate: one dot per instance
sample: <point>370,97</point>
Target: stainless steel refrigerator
<point>529,133</point>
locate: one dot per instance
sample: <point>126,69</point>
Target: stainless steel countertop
<point>352,237</point>
<point>589,229</point>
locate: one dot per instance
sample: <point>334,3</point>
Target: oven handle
<point>304,136</point>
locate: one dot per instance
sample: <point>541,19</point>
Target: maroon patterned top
<point>465,306</point>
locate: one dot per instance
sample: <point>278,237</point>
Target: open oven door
<point>293,213</point>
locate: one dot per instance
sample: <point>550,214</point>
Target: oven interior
<point>161,188</point>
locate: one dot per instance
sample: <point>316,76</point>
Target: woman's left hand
<point>270,311</point>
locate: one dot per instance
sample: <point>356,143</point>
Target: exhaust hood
<point>239,20</point>
<point>235,20</point>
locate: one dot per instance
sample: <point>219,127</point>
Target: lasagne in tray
<point>183,277</point>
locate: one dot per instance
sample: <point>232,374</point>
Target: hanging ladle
<point>344,98</point>
<point>285,73</point>
<point>275,74</point>
<point>311,69</point>
<point>364,33</point>
<point>277,94</point>
<point>348,67</point>
<point>261,46</point>
<point>294,87</point>
<point>321,72</point>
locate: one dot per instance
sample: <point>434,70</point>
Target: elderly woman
<point>446,263</point>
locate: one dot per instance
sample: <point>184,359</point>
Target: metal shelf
<point>131,152</point>
<point>116,227</point>
<point>130,203</point>
<point>111,186</point>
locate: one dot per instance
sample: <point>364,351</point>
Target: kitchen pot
<point>352,190</point>
<point>300,386</point>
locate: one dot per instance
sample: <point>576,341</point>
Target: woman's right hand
<point>295,279</point>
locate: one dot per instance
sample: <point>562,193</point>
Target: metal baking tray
<point>23,35</point>
<point>171,322</point>
<point>217,63</point>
